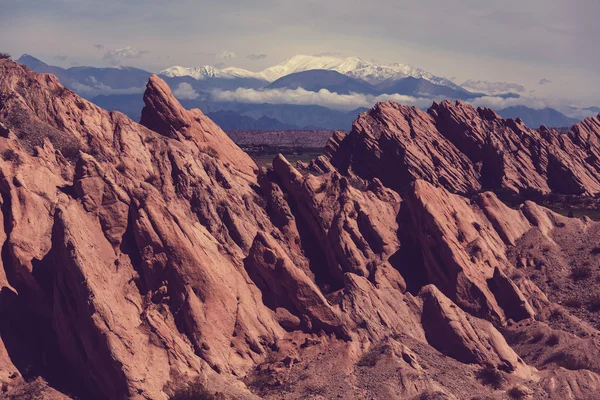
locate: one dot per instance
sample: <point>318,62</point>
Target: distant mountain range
<point>534,118</point>
<point>120,89</point>
<point>353,67</point>
<point>91,81</point>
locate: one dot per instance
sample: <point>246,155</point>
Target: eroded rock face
<point>465,150</point>
<point>139,257</point>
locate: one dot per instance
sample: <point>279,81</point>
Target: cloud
<point>562,105</point>
<point>329,54</point>
<point>99,46</point>
<point>255,57</point>
<point>492,88</point>
<point>225,55</point>
<point>435,35</point>
<point>352,101</point>
<point>185,91</point>
<point>499,103</point>
<point>323,98</point>
<point>116,56</point>
<point>545,81</point>
<point>580,114</point>
<point>101,89</point>
<point>60,58</point>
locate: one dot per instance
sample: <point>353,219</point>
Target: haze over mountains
<point>334,89</point>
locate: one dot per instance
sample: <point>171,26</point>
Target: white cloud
<point>185,91</point>
<point>498,103</point>
<point>492,88</point>
<point>323,98</point>
<point>225,55</point>
<point>117,55</point>
<point>352,101</point>
<point>330,54</point>
<point>256,57</point>
<point>564,106</point>
<point>101,89</point>
<point>580,113</point>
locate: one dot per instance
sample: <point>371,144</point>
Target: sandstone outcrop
<point>465,150</point>
<point>139,257</point>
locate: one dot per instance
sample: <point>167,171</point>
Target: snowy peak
<point>199,73</point>
<point>303,63</point>
<point>354,67</point>
<point>208,72</point>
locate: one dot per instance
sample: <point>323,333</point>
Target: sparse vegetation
<point>153,179</point>
<point>595,250</point>
<point>581,273</point>
<point>546,249</point>
<point>31,390</point>
<point>553,340</point>
<point>517,392</point>
<point>69,150</point>
<point>369,359</point>
<point>475,250</point>
<point>433,396</point>
<point>490,376</point>
<point>12,156</point>
<point>573,302</point>
<point>94,151</point>
<point>594,304</point>
<point>568,361</point>
<point>4,56</point>
<point>193,391</point>
<point>322,187</point>
<point>60,91</point>
<point>537,337</point>
<point>315,390</point>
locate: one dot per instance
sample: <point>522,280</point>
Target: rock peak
<point>162,112</point>
<point>467,149</point>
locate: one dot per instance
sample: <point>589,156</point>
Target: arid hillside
<point>143,261</point>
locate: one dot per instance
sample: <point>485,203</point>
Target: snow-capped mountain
<point>120,88</point>
<point>206,72</point>
<point>354,67</point>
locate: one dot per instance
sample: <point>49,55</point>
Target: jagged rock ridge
<point>467,150</point>
<point>137,257</point>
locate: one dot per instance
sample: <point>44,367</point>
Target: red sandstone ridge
<point>139,257</point>
<point>467,150</point>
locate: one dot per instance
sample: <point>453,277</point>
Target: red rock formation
<point>465,149</point>
<point>139,257</point>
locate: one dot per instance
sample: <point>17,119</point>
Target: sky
<point>547,48</point>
